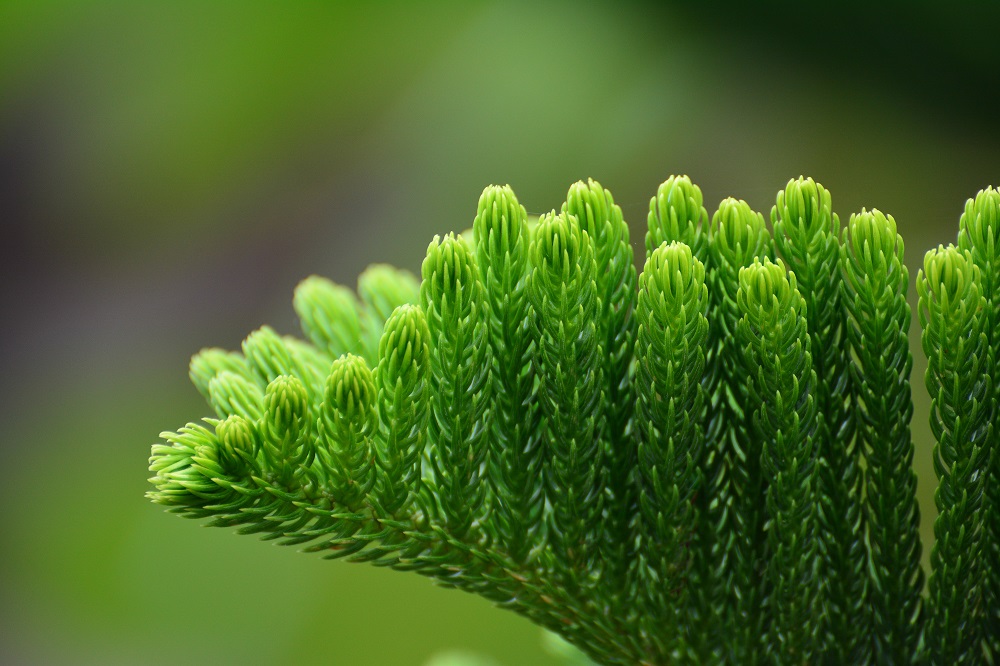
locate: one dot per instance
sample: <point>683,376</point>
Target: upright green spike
<point>330,317</point>
<point>878,323</point>
<point>733,543</point>
<point>238,443</point>
<point>402,379</point>
<point>285,426</point>
<point>601,218</point>
<point>515,462</point>
<point>806,235</point>
<point>670,357</point>
<point>563,291</point>
<point>979,234</point>
<point>382,289</point>
<point>776,344</point>
<point>954,315</point>
<point>676,213</point>
<point>347,422</point>
<point>451,295</point>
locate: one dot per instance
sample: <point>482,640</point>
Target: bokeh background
<point>170,170</point>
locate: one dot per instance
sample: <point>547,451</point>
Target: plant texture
<point>707,462</point>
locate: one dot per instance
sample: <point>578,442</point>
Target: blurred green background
<point>170,170</point>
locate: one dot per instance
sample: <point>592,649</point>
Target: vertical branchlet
<point>671,344</point>
<point>676,214</point>
<point>452,298</point>
<point>516,445</point>
<point>401,380</point>
<point>878,324</point>
<point>570,374</point>
<point>347,422</point>
<point>953,315</point>
<point>601,218</point>
<point>734,487</point>
<point>979,234</point>
<point>776,344</point>
<point>806,235</point>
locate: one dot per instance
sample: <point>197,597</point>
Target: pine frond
<point>979,234</point>
<point>452,296</point>
<point>516,446</point>
<point>953,315</point>
<point>563,291</point>
<point>776,343</point>
<point>402,380</point>
<point>806,235</point>
<point>875,286</point>
<point>670,356</point>
<point>598,215</point>
<point>734,543</point>
<point>708,463</point>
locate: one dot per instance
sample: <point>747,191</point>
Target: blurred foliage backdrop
<point>170,170</point>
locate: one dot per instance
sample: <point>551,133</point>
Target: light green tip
<point>405,338</point>
<point>237,439</point>
<point>673,267</point>
<point>559,243</point>
<point>350,389</point>
<point>675,213</point>
<point>766,285</point>
<point>448,267</point>
<point>500,219</point>
<point>285,402</point>
<point>873,237</point>
<point>950,274</point>
<point>805,205</point>
<point>981,221</point>
<point>592,205</point>
<point>738,232</point>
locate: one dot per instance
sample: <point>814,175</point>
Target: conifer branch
<point>452,297</point>
<point>806,235</point>
<point>595,209</point>
<point>570,374</point>
<point>953,317</point>
<point>670,356</point>
<point>776,343</point>
<point>658,474</point>
<point>516,446</point>
<point>979,234</point>
<point>735,485</point>
<point>875,287</point>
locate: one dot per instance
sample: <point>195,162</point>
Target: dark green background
<point>170,170</point>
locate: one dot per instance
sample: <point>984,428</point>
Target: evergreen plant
<point>706,462</point>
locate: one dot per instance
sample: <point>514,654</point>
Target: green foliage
<point>734,482</point>
<point>875,285</point>
<point>563,291</point>
<point>806,234</point>
<point>979,234</point>
<point>670,355</point>
<point>952,314</point>
<point>708,462</point>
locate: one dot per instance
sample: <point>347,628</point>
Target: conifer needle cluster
<point>707,462</point>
